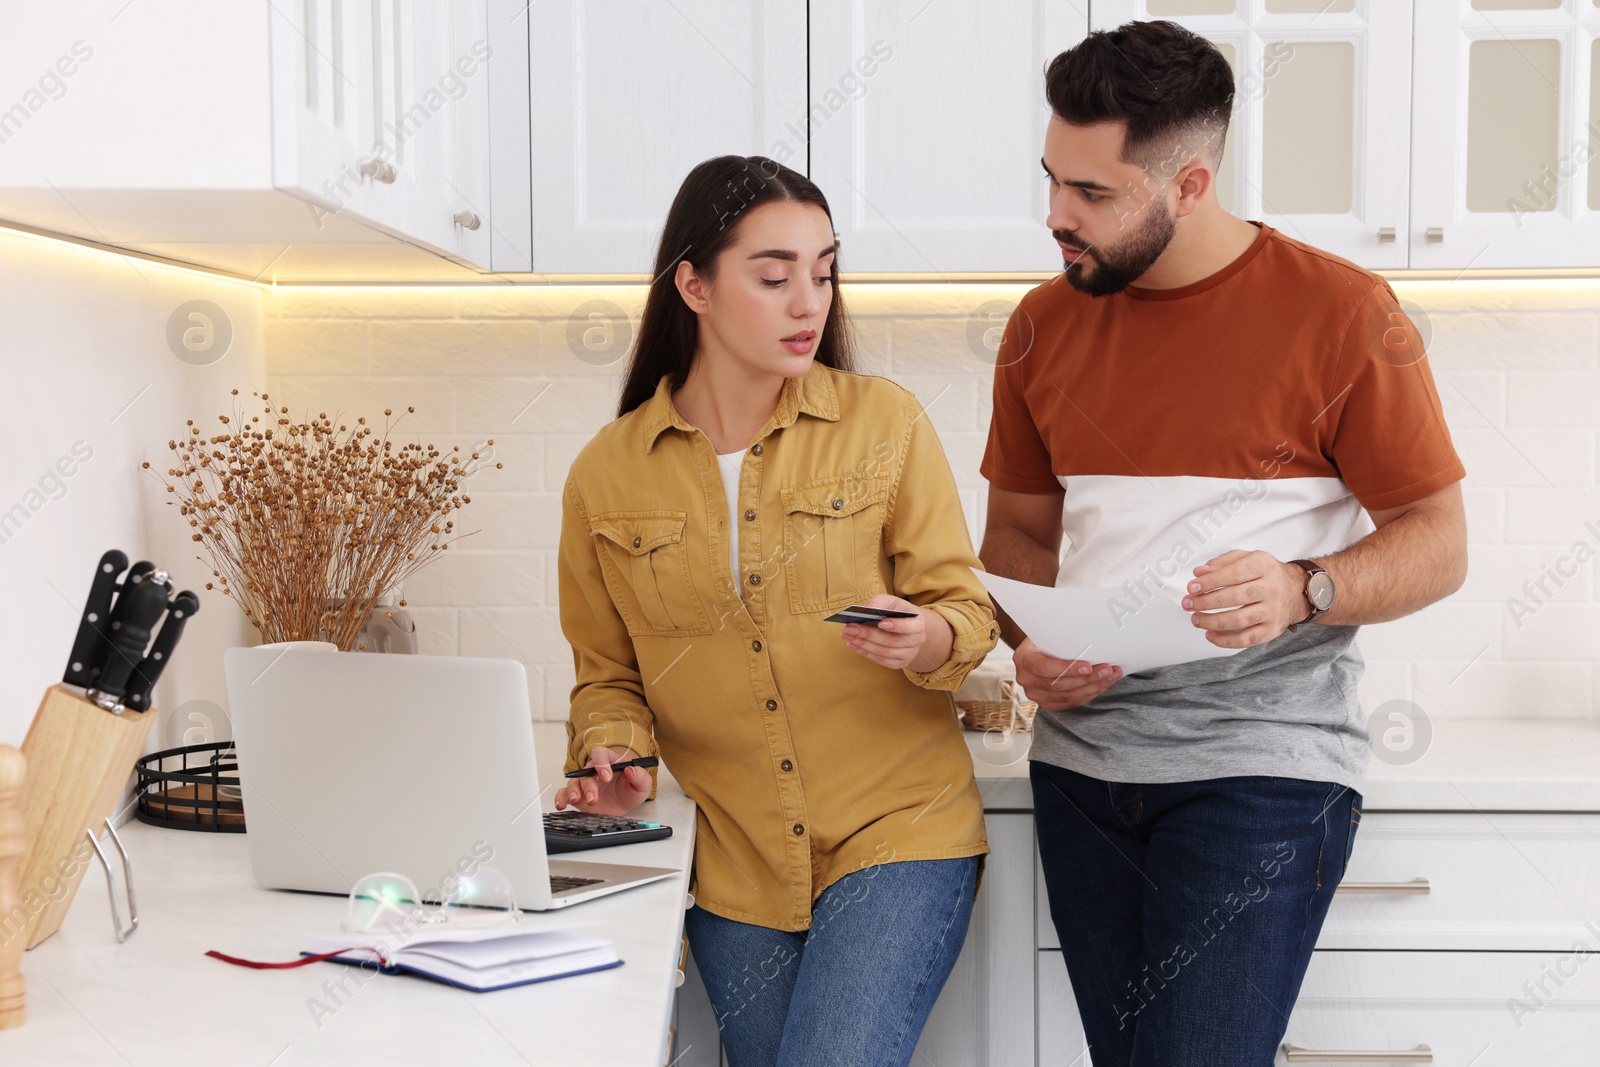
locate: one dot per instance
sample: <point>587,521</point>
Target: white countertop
<point>1470,765</point>
<point>158,1000</point>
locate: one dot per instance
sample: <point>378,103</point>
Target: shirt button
<point>750,516</point>
<point>799,830</point>
<point>756,449</point>
<point>772,705</point>
<point>991,633</point>
<point>755,645</point>
<point>838,505</point>
<point>755,579</point>
<point>787,765</point>
<point>636,542</point>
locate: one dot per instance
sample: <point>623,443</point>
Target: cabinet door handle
<point>1296,1054</point>
<point>1386,235</point>
<point>1415,886</point>
<point>378,170</point>
<point>1433,234</point>
<point>468,220</point>
<point>683,961</point>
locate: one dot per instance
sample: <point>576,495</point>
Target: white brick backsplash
<point>1471,398</point>
<point>1516,340</point>
<point>1554,631</point>
<point>1447,630</point>
<point>1489,688</point>
<point>1550,515</point>
<point>436,630</point>
<point>949,400</point>
<point>532,635</point>
<point>1553,398</point>
<point>473,578</point>
<point>317,346</point>
<point>455,348</point>
<point>551,405</point>
<point>1494,456</point>
<point>1517,364</point>
<point>511,520</point>
<point>352,398</point>
<point>1496,573</point>
<point>934,346</point>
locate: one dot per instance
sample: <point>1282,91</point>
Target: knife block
<point>12,841</point>
<point>79,757</point>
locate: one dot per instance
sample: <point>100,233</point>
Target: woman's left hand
<point>897,643</point>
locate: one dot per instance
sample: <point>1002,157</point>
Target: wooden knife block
<point>12,842</point>
<point>79,757</point>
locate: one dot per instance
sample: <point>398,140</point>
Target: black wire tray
<point>198,792</point>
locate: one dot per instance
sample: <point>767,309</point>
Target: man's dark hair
<point>1171,86</point>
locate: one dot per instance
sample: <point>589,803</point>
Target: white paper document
<point>1133,632</point>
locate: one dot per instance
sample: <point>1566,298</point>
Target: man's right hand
<point>608,792</point>
<point>1060,684</point>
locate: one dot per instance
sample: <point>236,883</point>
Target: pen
<point>589,772</point>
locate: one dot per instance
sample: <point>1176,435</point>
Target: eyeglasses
<point>387,899</point>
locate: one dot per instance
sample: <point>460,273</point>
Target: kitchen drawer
<point>1509,882</point>
<point>1059,1030</point>
<point>1521,881</point>
<point>1480,1008</point>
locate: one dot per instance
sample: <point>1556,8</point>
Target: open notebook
<point>481,959</point>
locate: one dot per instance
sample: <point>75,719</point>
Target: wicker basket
<point>1012,712</point>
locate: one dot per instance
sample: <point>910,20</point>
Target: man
<point>1214,414</point>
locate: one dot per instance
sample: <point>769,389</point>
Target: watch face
<point>1320,589</point>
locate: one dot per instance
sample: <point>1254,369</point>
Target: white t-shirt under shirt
<point>731,463</point>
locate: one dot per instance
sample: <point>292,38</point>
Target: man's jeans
<point>1187,911</point>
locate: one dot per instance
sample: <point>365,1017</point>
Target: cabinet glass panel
<point>1513,115</point>
<point>1307,132</point>
<point>1309,7</point>
<point>1225,169</point>
<point>1594,121</point>
<point>1160,8</point>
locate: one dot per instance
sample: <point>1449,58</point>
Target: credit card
<point>860,613</point>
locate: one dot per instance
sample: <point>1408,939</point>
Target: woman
<point>751,486</point>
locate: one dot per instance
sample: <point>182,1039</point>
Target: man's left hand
<point>1265,596</point>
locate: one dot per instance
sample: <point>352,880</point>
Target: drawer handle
<point>683,961</point>
<point>378,170</point>
<point>1296,1054</point>
<point>1415,886</point>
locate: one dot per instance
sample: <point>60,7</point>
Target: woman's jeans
<point>855,989</point>
<point>1187,911</point>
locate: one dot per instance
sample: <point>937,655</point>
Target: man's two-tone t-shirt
<point>1266,407</point>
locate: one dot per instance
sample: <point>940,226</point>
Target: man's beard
<point>1119,266</point>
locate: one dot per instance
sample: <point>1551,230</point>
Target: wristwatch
<point>1319,591</point>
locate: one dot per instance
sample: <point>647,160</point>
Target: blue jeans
<point>1187,911</point>
<point>856,988</point>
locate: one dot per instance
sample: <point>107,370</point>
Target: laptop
<point>351,764</point>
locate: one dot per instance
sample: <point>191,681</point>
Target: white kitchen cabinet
<point>1487,1009</point>
<point>1502,169</point>
<point>319,139</point>
<point>984,1014</point>
<point>627,96</point>
<point>927,126</point>
<point>1318,143</point>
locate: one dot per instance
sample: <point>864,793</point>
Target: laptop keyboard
<point>560,883</point>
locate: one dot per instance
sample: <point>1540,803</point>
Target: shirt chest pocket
<point>646,567</point>
<point>832,540</point>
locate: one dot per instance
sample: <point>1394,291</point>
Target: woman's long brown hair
<point>703,221</point>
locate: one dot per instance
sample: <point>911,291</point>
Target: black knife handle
<point>103,653</point>
<point>139,608</point>
<point>95,623</point>
<point>137,698</point>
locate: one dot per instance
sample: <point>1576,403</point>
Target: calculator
<point>571,831</point>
